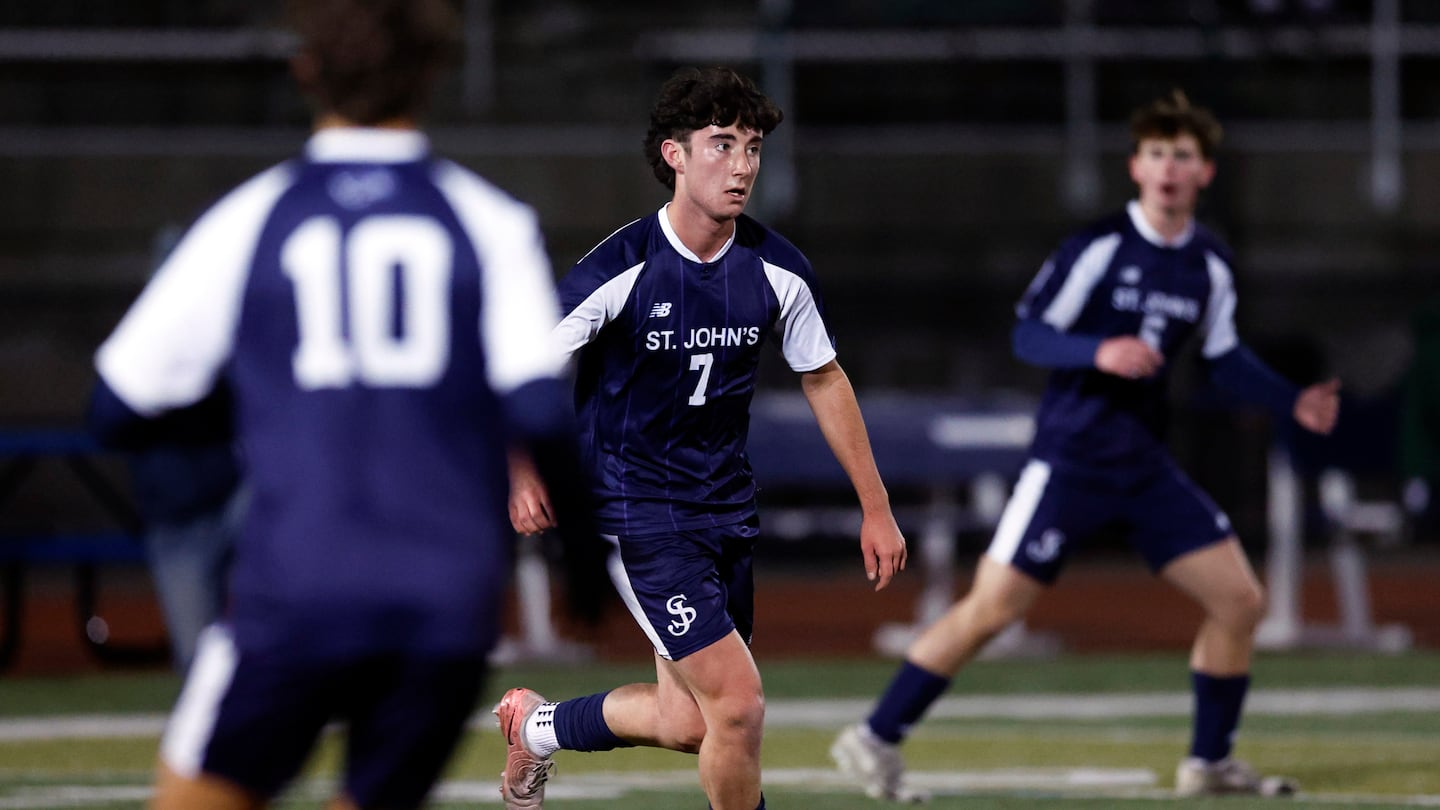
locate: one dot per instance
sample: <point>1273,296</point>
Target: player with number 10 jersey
<point>371,307</point>
<point>381,319</point>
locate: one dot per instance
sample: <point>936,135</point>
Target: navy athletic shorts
<point>1159,511</point>
<point>252,719</point>
<point>689,589</point>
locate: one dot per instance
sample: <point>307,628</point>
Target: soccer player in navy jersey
<point>1107,313</point>
<point>668,317</point>
<point>381,318</point>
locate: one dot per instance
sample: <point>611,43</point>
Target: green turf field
<point>1357,731</point>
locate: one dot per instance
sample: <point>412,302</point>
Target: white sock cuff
<point>539,731</point>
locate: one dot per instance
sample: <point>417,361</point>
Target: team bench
<point>23,453</point>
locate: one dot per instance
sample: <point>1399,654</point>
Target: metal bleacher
<point>1314,482</point>
<point>933,152</point>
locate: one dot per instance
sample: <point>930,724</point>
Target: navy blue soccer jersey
<point>668,351</point>
<point>1120,277</point>
<point>370,306</point>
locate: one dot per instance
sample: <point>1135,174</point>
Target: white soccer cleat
<point>522,783</point>
<point>1196,777</point>
<point>875,764</point>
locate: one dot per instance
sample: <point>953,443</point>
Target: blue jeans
<point>189,563</point>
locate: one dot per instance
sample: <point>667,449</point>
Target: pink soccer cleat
<point>522,783</point>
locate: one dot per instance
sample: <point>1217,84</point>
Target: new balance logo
<point>660,310</point>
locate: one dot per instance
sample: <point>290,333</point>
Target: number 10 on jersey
<point>390,342</point>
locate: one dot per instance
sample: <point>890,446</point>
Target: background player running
<point>1107,312</point>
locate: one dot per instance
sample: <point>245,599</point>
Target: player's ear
<point>674,154</point>
<point>1208,174</point>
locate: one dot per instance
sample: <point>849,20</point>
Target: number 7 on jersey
<point>702,364</point>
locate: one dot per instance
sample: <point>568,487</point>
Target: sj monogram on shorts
<point>1044,548</point>
<point>677,607</point>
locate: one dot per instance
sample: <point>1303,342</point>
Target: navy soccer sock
<point>905,701</point>
<point>1218,700</point>
<point>580,725</point>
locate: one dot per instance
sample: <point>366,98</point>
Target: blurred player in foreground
<point>1107,313</point>
<point>382,317</point>
<point>669,316</point>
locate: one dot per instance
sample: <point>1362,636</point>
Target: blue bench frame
<point>21,453</point>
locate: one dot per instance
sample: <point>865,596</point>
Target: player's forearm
<point>1041,344</point>
<point>837,411</point>
<point>1242,373</point>
<point>540,416</point>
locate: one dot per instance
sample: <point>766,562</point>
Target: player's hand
<point>530,509</point>
<point>883,547</point>
<point>1129,357</point>
<point>1318,407</point>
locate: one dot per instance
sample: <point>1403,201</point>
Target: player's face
<point>715,169</point>
<point>1170,173</point>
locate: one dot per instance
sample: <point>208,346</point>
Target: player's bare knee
<point>741,718</point>
<point>1241,610</point>
<point>685,734</point>
<point>1252,605</point>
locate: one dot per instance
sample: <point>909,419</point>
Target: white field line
<point>1288,702</point>
<point>834,713</point>
<point>81,727</point>
<point>1118,783</point>
<point>43,798</point>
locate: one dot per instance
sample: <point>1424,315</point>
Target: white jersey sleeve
<point>519,306</point>
<point>1078,283</point>
<point>1219,325</point>
<point>175,339</point>
<point>804,340</point>
<point>580,325</point>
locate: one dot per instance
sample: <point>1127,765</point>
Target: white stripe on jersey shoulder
<point>1220,334</point>
<point>192,724</point>
<point>180,332</point>
<point>580,325</point>
<point>674,240</point>
<point>517,288</point>
<point>1084,274</point>
<point>1022,309</point>
<point>1019,511</point>
<point>608,238</point>
<point>366,145</point>
<point>804,339</point>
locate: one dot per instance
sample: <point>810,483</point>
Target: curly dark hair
<point>1172,115</point>
<point>373,60</point>
<point>695,98</point>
